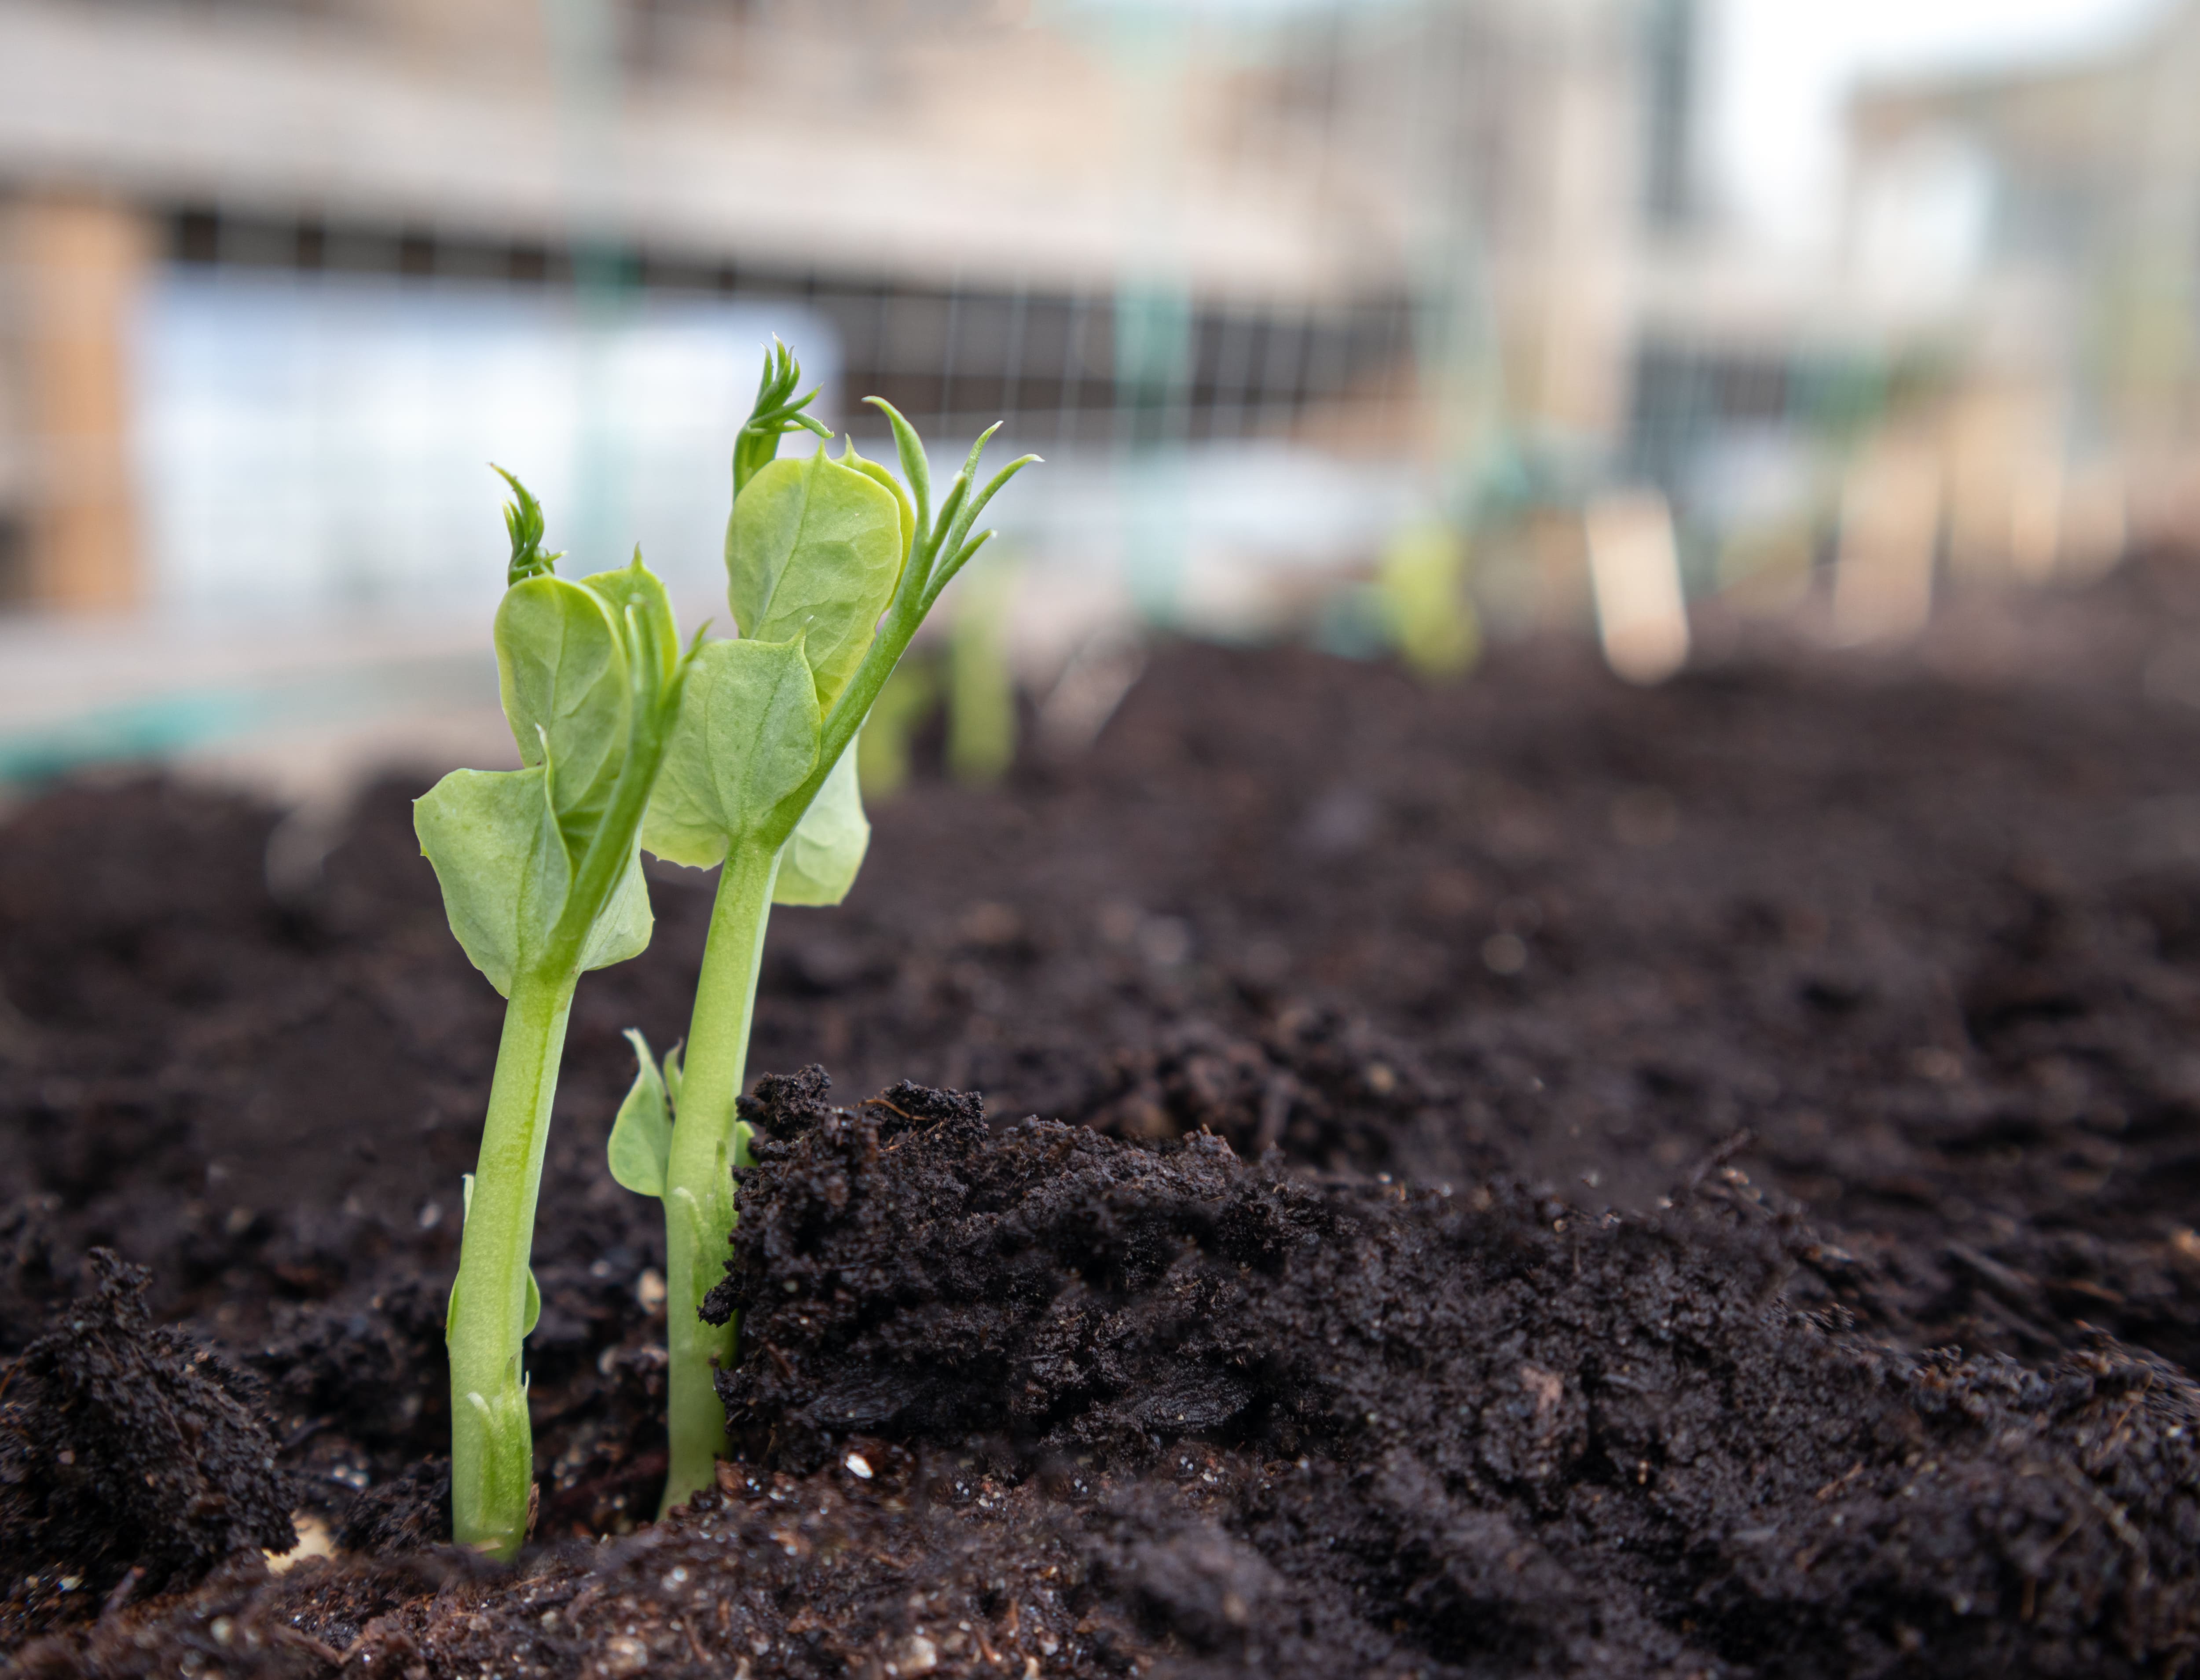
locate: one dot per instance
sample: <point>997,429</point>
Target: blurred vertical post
<point>1986,434</point>
<point>81,265</point>
<point>1456,364</point>
<point>2149,283</point>
<point>1153,311</point>
<point>1890,536</point>
<point>1635,573</point>
<point>584,48</point>
<point>2096,525</point>
<point>1565,268</point>
<point>2035,516</point>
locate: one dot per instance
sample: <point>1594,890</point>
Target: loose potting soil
<point>1534,1177</point>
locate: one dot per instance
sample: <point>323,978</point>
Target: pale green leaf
<point>674,1067</point>
<point>641,1135</point>
<point>622,927</point>
<point>878,472</point>
<point>503,869</point>
<point>499,859</point>
<point>813,551</point>
<point>637,588</point>
<point>562,671</point>
<point>745,738</point>
<point>826,847</point>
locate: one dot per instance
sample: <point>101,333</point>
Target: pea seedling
<point>831,567</point>
<point>542,879</point>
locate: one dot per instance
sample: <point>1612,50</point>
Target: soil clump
<point>131,1459</point>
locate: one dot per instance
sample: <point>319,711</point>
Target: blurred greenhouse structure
<point>1268,282</point>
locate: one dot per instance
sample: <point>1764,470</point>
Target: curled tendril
<point>523,521</point>
<point>944,544</point>
<point>777,411</point>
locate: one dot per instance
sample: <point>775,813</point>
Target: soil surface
<point>1535,1177</point>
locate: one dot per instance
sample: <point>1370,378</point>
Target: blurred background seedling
<point>981,684</point>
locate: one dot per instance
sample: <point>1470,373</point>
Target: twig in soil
<point>306,1642</point>
<point>306,1431</point>
<point>1839,1481</point>
<point>124,1590</point>
<point>2119,1525</point>
<point>2118,1431</point>
<point>2017,1287</point>
<point>378,1636</point>
<point>1713,1159</point>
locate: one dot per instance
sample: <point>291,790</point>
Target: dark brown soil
<point>1735,1153</point>
<point>130,1459</point>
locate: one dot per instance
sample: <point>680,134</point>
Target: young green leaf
<point>622,928</point>
<point>746,737</point>
<point>877,472</point>
<point>641,1135</point>
<point>563,675</point>
<point>826,847</point>
<point>635,587</point>
<point>502,867</point>
<point>813,550</point>
<point>499,861</point>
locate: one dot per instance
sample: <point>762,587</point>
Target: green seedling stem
<point>707,1141</point>
<point>831,565</point>
<point>540,875</point>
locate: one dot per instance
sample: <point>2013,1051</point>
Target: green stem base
<point>708,1142</point>
<point>492,1448</point>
